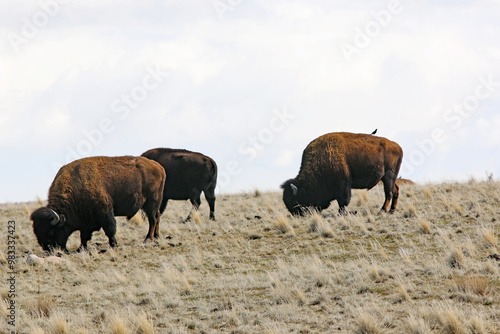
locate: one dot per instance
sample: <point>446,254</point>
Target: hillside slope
<point>428,268</point>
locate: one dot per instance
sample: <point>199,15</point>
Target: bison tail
<point>213,174</point>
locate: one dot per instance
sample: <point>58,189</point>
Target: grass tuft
<point>282,224</point>
<point>37,330</point>
<point>477,325</point>
<point>402,293</point>
<point>143,325</point>
<point>417,326</point>
<point>40,202</point>
<point>196,217</point>
<point>456,258</point>
<point>58,324</point>
<point>362,197</point>
<point>490,238</point>
<point>412,211</point>
<point>81,330</point>
<point>425,226</point>
<point>137,219</point>
<point>458,208</point>
<point>42,305</point>
<point>118,325</point>
<point>320,225</point>
<point>406,255</point>
<point>452,321</point>
<point>27,210</point>
<point>366,324</point>
<point>428,194</point>
<point>475,284</point>
<point>300,296</point>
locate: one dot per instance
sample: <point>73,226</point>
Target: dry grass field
<point>428,268</point>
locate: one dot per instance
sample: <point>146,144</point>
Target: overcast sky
<point>248,83</point>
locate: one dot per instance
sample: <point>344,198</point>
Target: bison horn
<point>295,190</point>
<point>56,219</point>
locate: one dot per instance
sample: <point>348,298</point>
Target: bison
<point>335,163</point>
<point>401,182</point>
<point>87,194</point>
<point>188,174</point>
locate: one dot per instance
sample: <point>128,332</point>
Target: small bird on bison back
<point>337,162</point>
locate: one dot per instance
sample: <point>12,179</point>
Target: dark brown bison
<point>188,174</point>
<point>337,162</point>
<point>87,194</point>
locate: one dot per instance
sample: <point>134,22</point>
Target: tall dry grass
<point>427,268</point>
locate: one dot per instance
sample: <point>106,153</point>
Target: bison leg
<point>154,223</point>
<point>163,205</point>
<point>390,192</point>
<point>195,200</point>
<point>109,227</point>
<point>152,210</point>
<point>85,237</point>
<point>395,197</point>
<point>210,196</point>
<point>154,226</point>
<point>157,228</point>
<point>344,198</point>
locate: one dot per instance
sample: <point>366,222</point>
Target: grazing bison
<point>188,174</point>
<point>401,182</point>
<point>87,194</point>
<point>337,162</point>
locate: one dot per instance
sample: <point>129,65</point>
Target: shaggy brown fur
<point>88,193</point>
<point>335,163</point>
<point>189,174</point>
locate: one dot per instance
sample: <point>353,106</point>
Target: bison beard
<point>87,194</point>
<point>335,163</point>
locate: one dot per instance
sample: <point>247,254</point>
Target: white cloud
<point>284,158</point>
<point>226,76</point>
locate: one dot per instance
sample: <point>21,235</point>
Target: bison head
<point>50,228</point>
<point>300,200</point>
<point>294,198</point>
